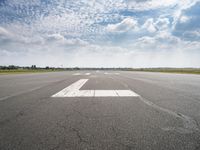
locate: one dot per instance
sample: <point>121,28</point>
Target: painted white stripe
<point>116,73</point>
<point>106,93</point>
<point>86,93</point>
<point>74,91</point>
<point>76,74</point>
<point>127,93</point>
<point>87,74</point>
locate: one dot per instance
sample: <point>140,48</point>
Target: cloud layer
<point>100,33</point>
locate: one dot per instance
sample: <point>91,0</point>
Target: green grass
<point>163,70</point>
<point>171,70</point>
<point>21,71</point>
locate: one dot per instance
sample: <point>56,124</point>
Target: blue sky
<point>100,33</point>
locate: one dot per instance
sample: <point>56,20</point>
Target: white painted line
<point>126,93</point>
<point>71,90</point>
<point>116,73</point>
<point>106,93</point>
<point>87,74</point>
<point>86,93</point>
<point>76,74</point>
<point>74,91</point>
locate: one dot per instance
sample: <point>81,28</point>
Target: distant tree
<point>12,67</point>
<point>33,67</point>
<point>3,67</point>
<point>76,68</point>
<point>47,67</point>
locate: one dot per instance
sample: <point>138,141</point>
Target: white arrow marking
<point>73,91</point>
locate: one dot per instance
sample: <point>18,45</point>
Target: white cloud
<point>155,4</point>
<point>178,12</point>
<point>184,19</point>
<point>149,25</point>
<point>126,25</point>
<point>150,4</point>
<point>194,35</point>
<point>161,50</point>
<point>162,23</point>
<point>161,41</point>
<point>23,2</point>
<point>60,40</point>
<point>110,56</point>
<point>5,34</point>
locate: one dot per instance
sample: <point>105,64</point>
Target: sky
<point>100,33</point>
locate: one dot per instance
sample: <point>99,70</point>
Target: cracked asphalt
<point>166,115</point>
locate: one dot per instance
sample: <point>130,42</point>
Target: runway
<point>103,110</point>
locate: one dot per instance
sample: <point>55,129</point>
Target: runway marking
<point>79,74</point>
<point>107,73</point>
<point>74,91</point>
<point>76,74</point>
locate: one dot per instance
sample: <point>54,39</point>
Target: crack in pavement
<point>78,134</point>
<point>76,131</point>
<point>190,125</point>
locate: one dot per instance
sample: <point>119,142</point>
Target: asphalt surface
<point>166,115</point>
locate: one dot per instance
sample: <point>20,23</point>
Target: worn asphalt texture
<point>166,115</point>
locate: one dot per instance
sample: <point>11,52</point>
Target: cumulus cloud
<point>149,25</point>
<point>149,4</point>
<point>126,25</point>
<point>184,19</point>
<point>162,23</point>
<point>188,24</point>
<point>60,40</point>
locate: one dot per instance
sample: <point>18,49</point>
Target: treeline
<point>165,69</point>
<point>11,68</point>
<point>34,67</point>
